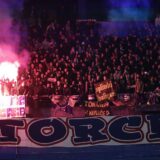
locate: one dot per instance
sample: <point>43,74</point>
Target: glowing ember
<point>9,71</point>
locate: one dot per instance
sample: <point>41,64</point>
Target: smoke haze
<point>10,34</point>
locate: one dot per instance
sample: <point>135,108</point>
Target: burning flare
<point>9,71</point>
<point>8,75</point>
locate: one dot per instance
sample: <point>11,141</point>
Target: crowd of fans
<point>68,59</point>
<point>157,21</point>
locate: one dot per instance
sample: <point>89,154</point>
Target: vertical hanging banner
<point>104,90</point>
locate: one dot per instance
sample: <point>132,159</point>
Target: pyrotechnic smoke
<point>131,10</point>
<point>125,16</point>
<point>10,34</point>
<point>10,56</point>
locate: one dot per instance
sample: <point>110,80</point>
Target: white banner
<point>80,132</point>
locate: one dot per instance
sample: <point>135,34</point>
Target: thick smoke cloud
<point>10,34</point>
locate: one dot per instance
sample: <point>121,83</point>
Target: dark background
<point>86,9</point>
